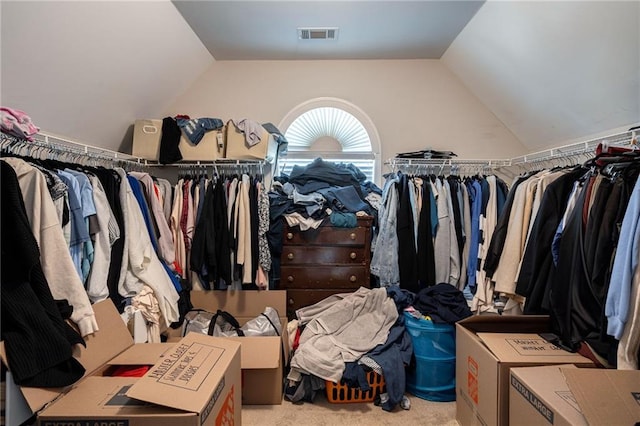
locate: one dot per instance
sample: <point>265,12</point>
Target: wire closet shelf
<point>48,146</point>
<point>218,167</point>
<point>628,138</point>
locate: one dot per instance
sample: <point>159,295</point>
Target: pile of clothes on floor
<point>342,337</point>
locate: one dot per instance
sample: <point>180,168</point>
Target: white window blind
<point>332,134</point>
<point>332,122</point>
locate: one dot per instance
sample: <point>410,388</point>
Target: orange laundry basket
<point>338,393</point>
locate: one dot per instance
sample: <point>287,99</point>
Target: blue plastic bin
<point>434,346</point>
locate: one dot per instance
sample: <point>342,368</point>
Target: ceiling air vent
<point>318,33</point>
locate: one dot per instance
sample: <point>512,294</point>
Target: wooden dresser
<point>320,262</point>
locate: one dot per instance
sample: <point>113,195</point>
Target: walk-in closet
<point>319,212</point>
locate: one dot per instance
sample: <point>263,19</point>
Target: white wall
<point>87,70</point>
<point>520,77</point>
<point>553,71</point>
<point>415,104</point>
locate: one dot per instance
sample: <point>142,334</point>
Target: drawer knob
<point>290,278</point>
<point>352,236</point>
<point>290,256</point>
<point>291,301</point>
<point>352,278</point>
<point>353,255</point>
<point>289,236</point>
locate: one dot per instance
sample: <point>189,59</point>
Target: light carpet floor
<point>323,413</point>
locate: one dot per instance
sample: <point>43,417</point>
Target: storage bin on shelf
<point>434,347</point>
<point>338,393</point>
<point>147,134</point>
<point>238,149</point>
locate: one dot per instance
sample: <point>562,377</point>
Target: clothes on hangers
<point>107,235</point>
<point>110,181</point>
<point>77,231</point>
<point>384,262</point>
<point>622,306</point>
<point>210,256</point>
<point>533,279</point>
<point>83,218</point>
<point>176,230</point>
<point>483,299</point>
<point>568,224</point>
<point>592,246</point>
<point>96,216</point>
<point>38,342</point>
<point>408,268</point>
<point>439,238</point>
<point>230,225</point>
<point>159,223</point>
<point>57,265</point>
<point>140,264</point>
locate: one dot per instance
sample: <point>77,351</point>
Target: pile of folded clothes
<point>427,154</point>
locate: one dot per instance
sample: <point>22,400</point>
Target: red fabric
<point>185,213</point>
<point>157,192</point>
<point>186,187</point>
<point>612,150</point>
<point>186,117</point>
<point>296,340</point>
<point>586,351</point>
<point>130,370</point>
<point>177,268</point>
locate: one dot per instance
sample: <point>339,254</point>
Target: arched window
<point>334,130</point>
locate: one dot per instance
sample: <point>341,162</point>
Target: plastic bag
<point>265,324</point>
<point>223,324</point>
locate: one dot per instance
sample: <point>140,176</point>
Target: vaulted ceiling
<point>255,30</point>
<point>551,72</point>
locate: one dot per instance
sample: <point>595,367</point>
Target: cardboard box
<point>566,395</point>
<point>605,396</point>
<point>148,133</point>
<point>540,396</point>
<point>101,347</point>
<point>263,357</point>
<point>487,347</point>
<point>195,381</point>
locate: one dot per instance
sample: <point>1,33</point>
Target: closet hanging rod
<point>617,139</point>
<point>62,143</point>
<point>54,144</point>
<point>445,162</point>
<point>220,163</point>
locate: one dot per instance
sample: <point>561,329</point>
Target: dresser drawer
<point>323,255</point>
<point>327,277</point>
<point>326,235</point>
<point>297,299</point>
